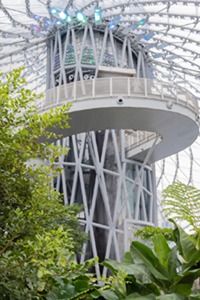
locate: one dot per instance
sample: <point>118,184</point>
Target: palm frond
<point>182,202</point>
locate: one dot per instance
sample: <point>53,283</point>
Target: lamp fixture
<point>69,19</point>
<point>79,16</point>
<point>58,22</point>
<point>142,22</point>
<point>112,25</point>
<point>35,28</point>
<point>53,10</point>
<point>84,19</point>
<point>97,14</point>
<point>117,19</point>
<point>148,36</point>
<point>62,15</point>
<point>36,17</point>
<point>47,21</point>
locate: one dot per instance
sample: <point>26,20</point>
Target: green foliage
<point>147,233</point>
<point>182,202</point>
<point>156,273</point>
<point>36,232</point>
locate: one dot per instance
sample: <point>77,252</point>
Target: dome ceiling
<point>169,33</point>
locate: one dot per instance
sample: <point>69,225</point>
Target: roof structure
<point>166,31</point>
<point>169,34</point>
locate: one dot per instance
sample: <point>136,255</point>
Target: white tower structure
<point>129,107</point>
<point>121,123</point>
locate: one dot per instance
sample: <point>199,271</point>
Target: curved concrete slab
<point>178,126</point>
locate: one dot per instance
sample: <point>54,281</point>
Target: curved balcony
<point>131,103</point>
<point>114,87</point>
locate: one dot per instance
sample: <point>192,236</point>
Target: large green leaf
<point>141,273</point>
<point>151,288</point>
<point>187,277</point>
<point>188,247</point>
<point>182,288</point>
<point>81,285</point>
<point>171,297</point>
<point>172,262</point>
<point>95,294</point>
<point>128,260</point>
<point>198,241</point>
<point>54,294</point>
<point>193,260</point>
<point>150,260</point>
<point>109,295</point>
<point>114,266</point>
<point>161,249</point>
<point>64,293</point>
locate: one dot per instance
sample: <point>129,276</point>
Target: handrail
<point>137,138</point>
<point>126,87</point>
<point>119,86</point>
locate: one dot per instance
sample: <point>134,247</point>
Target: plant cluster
<point>160,273</point>
<point>37,233</point>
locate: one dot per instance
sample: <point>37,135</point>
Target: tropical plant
<point>162,273</point>
<point>38,235</point>
<point>148,232</point>
<point>180,202</point>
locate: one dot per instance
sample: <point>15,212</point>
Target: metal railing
<point>114,87</point>
<point>136,138</point>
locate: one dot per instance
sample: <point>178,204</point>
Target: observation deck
<point>130,103</point>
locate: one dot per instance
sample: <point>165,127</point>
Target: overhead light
<point>46,27</point>
<point>149,36</point>
<point>84,19</point>
<point>36,17</point>
<point>12,36</point>
<point>40,34</point>
<point>62,15</point>
<point>35,28</point>
<point>58,22</point>
<point>48,22</point>
<point>53,10</point>
<point>79,16</point>
<point>142,22</point>
<point>134,26</point>
<point>117,19</point>
<point>112,25</point>
<point>97,14</point>
<point>69,19</point>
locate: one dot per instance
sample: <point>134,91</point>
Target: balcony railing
<point>136,138</point>
<point>114,87</point>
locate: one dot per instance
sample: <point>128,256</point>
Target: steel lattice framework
<point>118,194</point>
